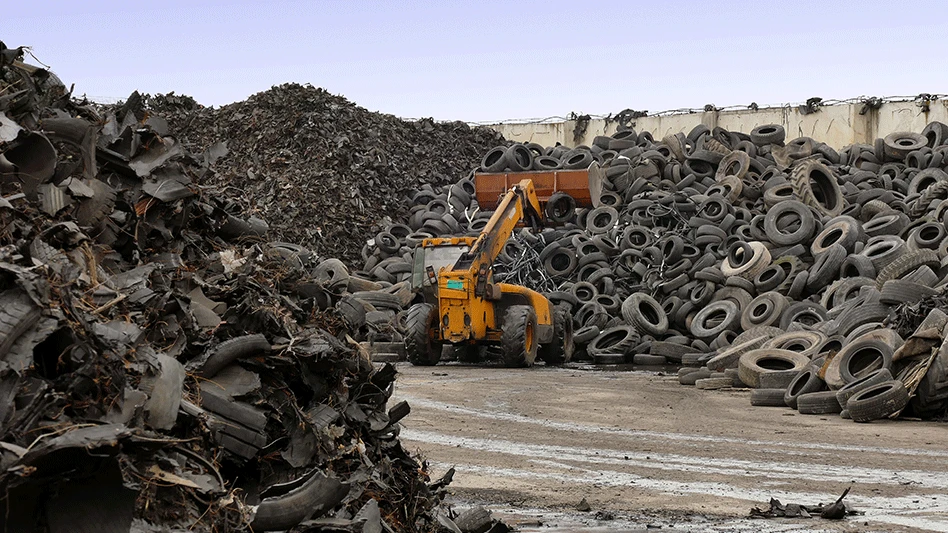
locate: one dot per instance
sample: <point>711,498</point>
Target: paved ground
<point>640,447</point>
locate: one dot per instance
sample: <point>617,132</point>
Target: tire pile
<point>748,259</point>
<point>321,170</point>
<point>162,365</point>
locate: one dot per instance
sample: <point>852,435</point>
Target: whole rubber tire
<point>767,398</point>
<point>906,263</point>
<point>878,401</point>
<point>702,329</point>
<point>519,158</point>
<point>645,359</point>
<point>873,378</point>
<point>768,134</point>
<point>645,314</point>
<point>862,356</point>
<point>931,395</point>
<point>586,334</point>
<point>560,349</point>
<point>617,340</point>
<point>518,339</point>
<point>782,209</point>
<point>756,362</point>
<point>805,382</point>
<point>816,186</point>
<point>714,383</point>
<point>352,311</point>
<point>764,310</point>
<point>577,159</point>
<point>843,230</point>
<point>899,144</point>
<point>18,314</point>
<point>561,208</point>
<point>818,403</point>
<point>494,160</point>
<point>420,324</point>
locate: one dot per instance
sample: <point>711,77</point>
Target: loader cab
<point>430,257</point>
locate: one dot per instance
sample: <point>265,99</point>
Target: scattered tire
<point>878,401</point>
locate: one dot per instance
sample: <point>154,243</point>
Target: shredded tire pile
<point>321,170</point>
<point>163,366</point>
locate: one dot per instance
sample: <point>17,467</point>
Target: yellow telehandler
<point>464,307</point>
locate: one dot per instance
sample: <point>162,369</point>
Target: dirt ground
<point>645,451</point>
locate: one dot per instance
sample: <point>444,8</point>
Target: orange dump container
<point>585,186</point>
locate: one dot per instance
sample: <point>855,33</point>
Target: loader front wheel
<point>421,327</point>
<point>560,349</point>
<point>519,336</point>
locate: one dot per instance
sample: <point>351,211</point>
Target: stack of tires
<point>704,237</point>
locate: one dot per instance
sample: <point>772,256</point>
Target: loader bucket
<point>585,186</point>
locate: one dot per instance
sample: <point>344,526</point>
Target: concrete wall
<point>836,125</point>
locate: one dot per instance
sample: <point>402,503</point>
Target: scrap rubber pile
<point>810,275</point>
<point>321,170</point>
<point>162,365</point>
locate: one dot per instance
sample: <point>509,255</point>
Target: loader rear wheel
<point>560,349</point>
<point>519,336</point>
<point>421,325</point>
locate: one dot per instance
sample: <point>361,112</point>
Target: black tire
<point>818,403</point>
<point>768,134</point>
<point>767,398</point>
<point>421,323</point>
<point>518,337</point>
<point>585,335</point>
<point>560,349</point>
<point>601,219</point>
<point>756,362</point>
<point>843,230</point>
<point>863,314</point>
<point>899,144</point>
<point>931,395</point>
<point>645,314</point>
<point>519,158</point>
<point>805,382</point>
<point>897,291</point>
<point>561,208</point>
<point>615,341</point>
<point>494,160</point>
<point>716,318</point>
<point>826,268</point>
<point>784,208</point>
<point>873,378</point>
<point>387,242</point>
<point>690,378</point>
<point>816,186</point>
<point>860,357</point>
<point>577,159</point>
<point>906,263</point>
<point>713,383</point>
<point>878,401</point>
<point>645,359</point>
<point>17,315</point>
<point>352,311</point>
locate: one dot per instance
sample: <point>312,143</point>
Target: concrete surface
<point>533,443</point>
<point>836,125</point>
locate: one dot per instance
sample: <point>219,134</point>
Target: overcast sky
<point>488,61</point>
